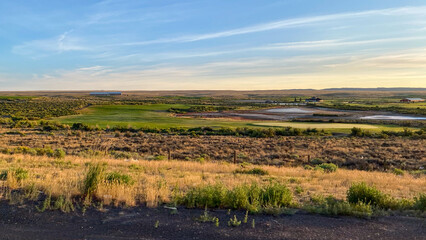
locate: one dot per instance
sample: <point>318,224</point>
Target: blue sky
<point>203,44</point>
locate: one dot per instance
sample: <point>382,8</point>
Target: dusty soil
<point>139,223</point>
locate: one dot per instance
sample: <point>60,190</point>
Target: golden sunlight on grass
<point>155,182</point>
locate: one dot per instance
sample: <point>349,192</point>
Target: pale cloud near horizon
<point>264,74</point>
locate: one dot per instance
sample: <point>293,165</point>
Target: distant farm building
<point>105,93</point>
<point>411,100</point>
<point>313,100</point>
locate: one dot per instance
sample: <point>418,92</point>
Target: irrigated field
<point>157,116</point>
<point>152,115</point>
<point>316,125</point>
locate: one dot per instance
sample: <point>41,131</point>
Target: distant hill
<point>376,89</point>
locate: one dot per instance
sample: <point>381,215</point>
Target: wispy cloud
<point>318,45</point>
<point>360,70</point>
<point>287,23</point>
<point>42,47</point>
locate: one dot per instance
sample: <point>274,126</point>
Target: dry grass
<point>353,153</point>
<point>155,181</point>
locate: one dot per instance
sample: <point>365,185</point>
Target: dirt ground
<point>139,223</point>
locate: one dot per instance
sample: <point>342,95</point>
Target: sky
<point>211,44</point>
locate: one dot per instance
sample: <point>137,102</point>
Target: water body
<point>288,110</point>
<point>392,117</point>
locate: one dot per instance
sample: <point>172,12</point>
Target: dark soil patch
<point>139,223</point>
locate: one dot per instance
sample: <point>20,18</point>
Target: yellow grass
<point>156,180</point>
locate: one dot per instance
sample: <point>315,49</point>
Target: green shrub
<point>327,167</point>
<point>298,189</point>
<point>205,217</point>
<point>92,179</point>
<point>398,171</point>
<point>159,157</point>
<point>59,153</point>
<point>135,167</point>
<point>21,174</point>
<point>308,167</point>
<point>119,178</point>
<point>3,175</point>
<point>276,195</point>
<point>317,161</point>
<point>211,196</point>
<point>361,192</point>
<point>233,222</point>
<point>250,197</point>
<point>332,206</point>
<point>357,132</point>
<point>254,171</point>
<point>420,202</point>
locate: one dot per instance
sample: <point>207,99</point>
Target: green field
<point>157,116</point>
<point>154,115</point>
<point>317,125</point>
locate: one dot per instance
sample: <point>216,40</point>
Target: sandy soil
<point>139,223</point>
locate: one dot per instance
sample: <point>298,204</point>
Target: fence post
<point>235,156</point>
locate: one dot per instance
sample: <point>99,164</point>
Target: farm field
<point>317,125</point>
<point>152,115</point>
<point>157,116</point>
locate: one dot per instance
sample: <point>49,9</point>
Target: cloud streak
<point>58,44</point>
<point>287,23</point>
<point>363,70</point>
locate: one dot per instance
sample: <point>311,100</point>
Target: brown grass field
<point>346,152</point>
<point>156,181</point>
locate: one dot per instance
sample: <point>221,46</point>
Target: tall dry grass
<point>156,181</point>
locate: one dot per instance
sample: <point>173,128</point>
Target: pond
<point>288,110</point>
<point>392,117</point>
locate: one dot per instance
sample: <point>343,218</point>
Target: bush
<point>21,174</point>
<point>398,171</point>
<point>59,153</point>
<point>249,197</point>
<point>308,167</point>
<point>327,167</point>
<point>254,171</point>
<point>361,192</point>
<point>357,132</point>
<point>420,202</point>
<point>92,179</point>
<point>3,175</point>
<point>119,178</point>
<point>332,206</point>
<point>210,196</point>
<point>317,161</point>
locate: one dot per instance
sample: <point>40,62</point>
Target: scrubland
<point>155,182</point>
<point>347,152</point>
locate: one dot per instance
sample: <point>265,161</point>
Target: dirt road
<point>140,223</point>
